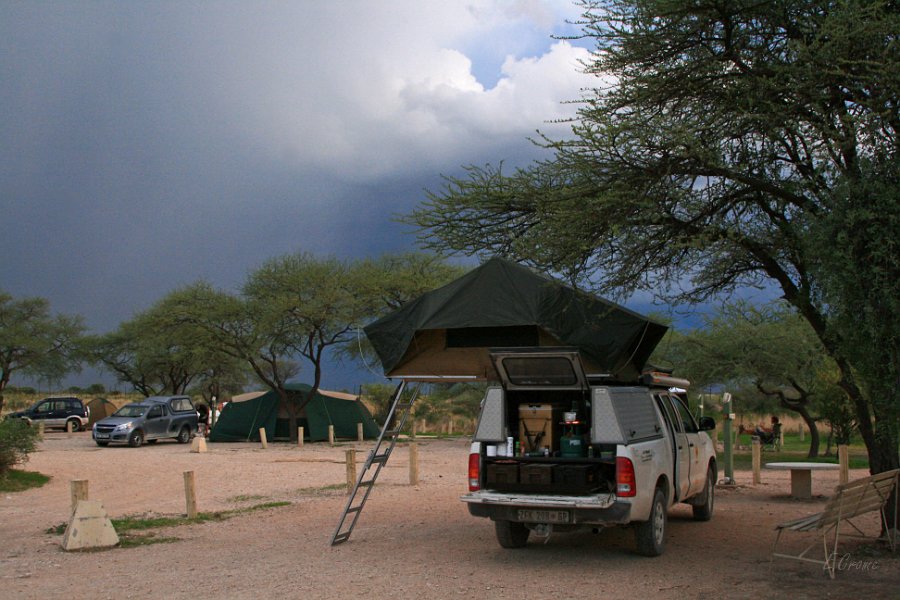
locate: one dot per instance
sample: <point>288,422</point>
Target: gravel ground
<point>410,542</point>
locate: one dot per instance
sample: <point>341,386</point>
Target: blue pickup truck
<point>149,420</point>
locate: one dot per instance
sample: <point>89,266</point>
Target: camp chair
<point>771,441</point>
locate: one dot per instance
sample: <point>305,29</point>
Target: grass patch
<point>144,523</point>
<point>131,540</point>
<point>795,450</point>
<point>246,498</point>
<point>126,526</point>
<point>16,480</point>
<point>321,490</point>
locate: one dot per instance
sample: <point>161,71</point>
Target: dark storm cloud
<point>148,145</point>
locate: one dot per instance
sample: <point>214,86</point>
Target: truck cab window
<point>690,426</point>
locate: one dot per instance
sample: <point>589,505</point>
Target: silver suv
<point>56,412</point>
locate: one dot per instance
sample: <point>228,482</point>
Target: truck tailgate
<point>540,500</point>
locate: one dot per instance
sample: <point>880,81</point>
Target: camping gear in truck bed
<point>536,428</point>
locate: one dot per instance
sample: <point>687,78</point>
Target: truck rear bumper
<point>598,509</point>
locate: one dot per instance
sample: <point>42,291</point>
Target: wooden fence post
<point>844,461</point>
<point>262,438</point>
<point>802,432</point>
<point>190,494</point>
<point>41,429</point>
<point>414,464</point>
<point>300,437</point>
<point>79,489</point>
<point>351,470</point>
<point>359,432</point>
<point>331,435</point>
<point>757,448</point>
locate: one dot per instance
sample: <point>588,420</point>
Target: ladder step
<point>340,538</point>
<point>392,433</point>
<point>368,483</point>
<point>381,458</point>
<point>355,509</point>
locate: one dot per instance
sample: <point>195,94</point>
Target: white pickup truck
<point>557,449</point>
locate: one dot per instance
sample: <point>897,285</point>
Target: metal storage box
<point>502,473</point>
<point>536,474</point>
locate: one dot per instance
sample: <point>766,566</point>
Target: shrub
<point>17,441</point>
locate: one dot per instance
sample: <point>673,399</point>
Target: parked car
<point>56,412</point>
<point>149,420</point>
<point>592,452</point>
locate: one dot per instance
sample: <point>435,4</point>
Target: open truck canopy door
<point>539,368</point>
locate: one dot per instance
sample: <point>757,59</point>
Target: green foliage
<point>726,144</point>
<point>15,480</point>
<point>157,353</point>
<point>17,441</point>
<point>35,343</point>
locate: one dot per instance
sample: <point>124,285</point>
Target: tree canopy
<point>725,145</point>
<point>35,342</point>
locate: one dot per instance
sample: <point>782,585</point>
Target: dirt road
<point>411,542</point>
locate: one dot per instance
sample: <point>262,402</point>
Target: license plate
<point>102,436</point>
<point>544,516</point>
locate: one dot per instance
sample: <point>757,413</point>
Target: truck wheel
<point>76,424</point>
<point>184,436</point>
<point>511,534</point>
<point>651,534</point>
<point>703,512</point>
<point>137,439</point>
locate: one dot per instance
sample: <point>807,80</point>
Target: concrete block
<point>89,527</point>
<point>198,445</point>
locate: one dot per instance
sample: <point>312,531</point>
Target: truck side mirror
<point>707,423</point>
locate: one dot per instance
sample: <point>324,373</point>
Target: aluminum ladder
<point>377,458</point>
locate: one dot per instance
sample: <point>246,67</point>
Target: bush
<point>17,441</point>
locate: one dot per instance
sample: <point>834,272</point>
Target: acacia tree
<point>295,309</point>
<point>769,348</point>
<point>157,354</point>
<point>724,144</point>
<point>34,342</point>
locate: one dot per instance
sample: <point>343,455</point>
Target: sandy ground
<point>410,542</point>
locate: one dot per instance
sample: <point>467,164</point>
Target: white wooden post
<point>413,464</point>
<point>190,494</point>
<point>262,438</point>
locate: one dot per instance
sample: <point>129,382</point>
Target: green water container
<point>572,446</point>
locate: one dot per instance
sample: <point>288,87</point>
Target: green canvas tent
<point>240,421</point>
<point>100,409</point>
<point>446,332</point>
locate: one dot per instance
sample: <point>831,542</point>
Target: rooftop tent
<point>242,418</point>
<point>446,332</point>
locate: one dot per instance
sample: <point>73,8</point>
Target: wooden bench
<point>850,500</point>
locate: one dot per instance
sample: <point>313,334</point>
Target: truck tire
<point>137,439</point>
<point>511,534</point>
<point>650,535</point>
<point>704,511</point>
<point>184,436</point>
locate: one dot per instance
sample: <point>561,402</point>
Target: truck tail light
<point>625,483</point>
<point>474,471</point>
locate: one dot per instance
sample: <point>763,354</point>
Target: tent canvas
<point>241,420</point>
<point>100,409</point>
<point>447,332</point>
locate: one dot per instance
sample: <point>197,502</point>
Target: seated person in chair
<point>769,436</point>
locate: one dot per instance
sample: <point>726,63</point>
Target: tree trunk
<point>813,431</point>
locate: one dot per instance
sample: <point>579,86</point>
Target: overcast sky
<point>148,145</point>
